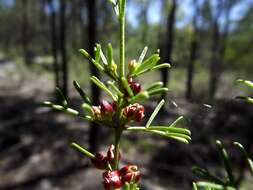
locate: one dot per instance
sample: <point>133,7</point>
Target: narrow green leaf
<point>154,86</point>
<point>110,56</point>
<point>226,161</point>
<point>126,86</point>
<point>157,91</point>
<point>104,60</point>
<point>155,112</point>
<point>87,108</point>
<point>179,137</point>
<point>214,186</point>
<point>97,53</point>
<point>61,108</point>
<point>83,150</point>
<point>147,64</point>
<point>96,81</point>
<point>161,133</point>
<point>140,96</point>
<point>81,93</point>
<point>170,134</point>
<point>206,175</point>
<point>175,123</point>
<point>171,129</point>
<point>161,66</point>
<point>246,99</point>
<point>143,54</point>
<point>246,82</point>
<point>249,161</point>
<point>87,55</point>
<point>115,88</point>
<point>194,186</point>
<point>62,98</point>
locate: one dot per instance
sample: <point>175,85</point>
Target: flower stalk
<point>122,5</point>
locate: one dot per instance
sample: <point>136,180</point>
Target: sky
<point>184,12</point>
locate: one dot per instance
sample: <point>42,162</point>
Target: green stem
<point>122,37</point>
<point>118,133</point>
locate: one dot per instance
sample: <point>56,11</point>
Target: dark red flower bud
<point>111,180</point>
<point>106,107</point>
<point>136,87</point>
<point>138,116</point>
<point>130,174</point>
<point>110,153</point>
<point>134,111</point>
<point>100,161</point>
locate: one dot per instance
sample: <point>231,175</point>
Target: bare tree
<point>62,47</point>
<point>54,41</point>
<point>193,52</point>
<point>95,91</point>
<point>25,32</point>
<point>219,38</point>
<point>166,51</point>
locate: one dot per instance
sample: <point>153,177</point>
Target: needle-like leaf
<point>82,150</point>
<point>246,82</point>
<point>249,161</point>
<point>226,161</point>
<point>143,53</point>
<point>155,112</point>
<point>96,81</point>
<point>81,93</point>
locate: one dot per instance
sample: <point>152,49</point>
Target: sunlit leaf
<point>155,112</point>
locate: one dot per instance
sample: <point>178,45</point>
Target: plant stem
<point>118,133</point>
<point>122,4</point>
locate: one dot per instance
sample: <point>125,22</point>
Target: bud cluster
<point>104,111</point>
<point>116,179</point>
<point>102,161</point>
<point>134,112</point>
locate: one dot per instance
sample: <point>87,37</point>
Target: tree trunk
<point>193,54</point>
<point>24,30</point>
<point>168,48</point>
<point>95,91</point>
<point>219,45</point>
<point>63,47</point>
<point>54,41</point>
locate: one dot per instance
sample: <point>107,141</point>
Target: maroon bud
<point>100,161</point>
<point>134,112</point>
<point>111,180</point>
<point>106,107</point>
<point>110,153</point>
<point>138,116</point>
<point>136,87</point>
<point>130,174</point>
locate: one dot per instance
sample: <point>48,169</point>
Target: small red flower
<point>106,107</point>
<point>134,112</point>
<point>100,161</point>
<point>110,153</point>
<point>130,174</point>
<point>111,180</point>
<point>104,110</point>
<point>135,86</point>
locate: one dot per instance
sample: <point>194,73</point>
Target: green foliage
<point>213,182</point>
<point>125,93</point>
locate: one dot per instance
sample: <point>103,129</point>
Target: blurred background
<point>209,45</point>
